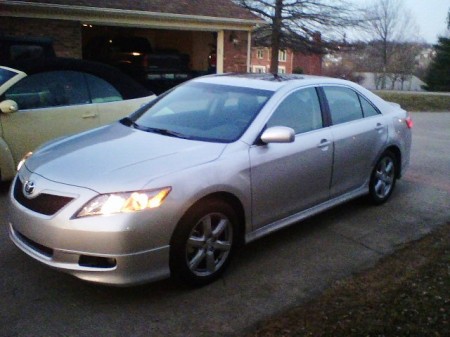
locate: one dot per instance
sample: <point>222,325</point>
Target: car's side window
<point>101,91</point>
<point>344,104</point>
<point>368,108</point>
<point>299,111</point>
<point>49,89</point>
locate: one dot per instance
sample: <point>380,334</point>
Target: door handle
<point>379,127</point>
<point>324,143</point>
<point>89,115</point>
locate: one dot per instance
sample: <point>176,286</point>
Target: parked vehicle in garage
<point>159,70</point>
<point>14,48</point>
<point>48,98</point>
<point>218,161</point>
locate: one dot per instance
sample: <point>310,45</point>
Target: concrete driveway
<point>269,275</point>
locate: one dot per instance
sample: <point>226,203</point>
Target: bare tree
<point>389,25</point>
<point>293,23</point>
<point>404,63</point>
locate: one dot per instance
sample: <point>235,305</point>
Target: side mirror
<point>8,106</point>
<point>278,134</point>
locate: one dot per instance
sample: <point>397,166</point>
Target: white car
<point>48,98</point>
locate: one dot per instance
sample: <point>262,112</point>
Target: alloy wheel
<point>209,244</point>
<point>384,177</point>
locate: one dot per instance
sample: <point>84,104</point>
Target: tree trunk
<point>276,33</point>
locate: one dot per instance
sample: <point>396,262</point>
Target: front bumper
<point>121,249</point>
<point>126,269</point>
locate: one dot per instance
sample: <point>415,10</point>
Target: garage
<point>198,31</point>
<point>159,59</point>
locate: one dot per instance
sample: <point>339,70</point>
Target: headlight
<point>124,202</point>
<point>23,160</point>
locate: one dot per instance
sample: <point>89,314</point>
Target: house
<point>216,31</point>
<point>289,61</point>
<point>293,57</point>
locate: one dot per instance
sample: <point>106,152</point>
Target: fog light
<point>96,261</point>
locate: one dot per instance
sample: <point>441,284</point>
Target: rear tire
<point>203,243</point>
<point>383,178</point>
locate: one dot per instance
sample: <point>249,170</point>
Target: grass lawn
<point>417,101</point>
<point>405,294</point>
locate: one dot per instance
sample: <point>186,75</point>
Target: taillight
<point>409,122</point>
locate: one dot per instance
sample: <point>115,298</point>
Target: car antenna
<point>276,77</point>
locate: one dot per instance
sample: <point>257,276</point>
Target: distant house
<point>213,33</point>
<point>290,60</point>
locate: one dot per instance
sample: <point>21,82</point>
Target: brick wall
<point>67,39</point>
<point>260,59</point>
<point>311,64</point>
<point>257,62</point>
<point>66,35</point>
<point>235,52</point>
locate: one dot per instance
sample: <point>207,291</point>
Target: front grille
<point>47,204</point>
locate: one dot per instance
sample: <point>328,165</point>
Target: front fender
<point>7,165</point>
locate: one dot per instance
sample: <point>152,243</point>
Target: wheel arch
<point>7,166</point>
<point>231,200</point>
<point>398,158</point>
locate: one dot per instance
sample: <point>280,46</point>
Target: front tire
<point>203,243</point>
<point>383,178</point>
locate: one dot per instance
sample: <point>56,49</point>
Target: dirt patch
<point>405,294</point>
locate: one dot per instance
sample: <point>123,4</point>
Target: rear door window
<point>344,104</point>
<point>368,109</point>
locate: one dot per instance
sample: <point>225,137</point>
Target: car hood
<point>118,158</point>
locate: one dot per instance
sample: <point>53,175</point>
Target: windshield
<point>6,75</point>
<point>201,111</point>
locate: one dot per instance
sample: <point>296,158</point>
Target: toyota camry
<point>174,188</point>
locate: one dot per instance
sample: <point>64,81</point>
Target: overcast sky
<point>430,16</point>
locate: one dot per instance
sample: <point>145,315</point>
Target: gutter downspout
<point>249,50</point>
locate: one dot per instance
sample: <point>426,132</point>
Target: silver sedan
<point>175,187</point>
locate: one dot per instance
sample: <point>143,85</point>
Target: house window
<point>281,70</point>
<point>259,69</point>
<point>260,53</point>
<point>282,55</point>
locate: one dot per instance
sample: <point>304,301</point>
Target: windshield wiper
<point>129,122</point>
<point>166,132</point>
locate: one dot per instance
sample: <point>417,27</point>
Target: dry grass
<point>418,102</point>
<point>405,294</point>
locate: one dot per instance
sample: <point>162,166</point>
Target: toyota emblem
<point>28,188</point>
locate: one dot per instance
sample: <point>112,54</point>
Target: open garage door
<point>157,58</point>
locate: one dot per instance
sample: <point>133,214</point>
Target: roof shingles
<point>209,8</point>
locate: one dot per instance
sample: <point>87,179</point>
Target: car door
<point>51,104</point>
<point>288,178</point>
<point>109,102</point>
<point>359,132</point>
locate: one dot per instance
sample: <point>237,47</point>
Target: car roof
<point>272,82</point>
<point>127,87</point>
